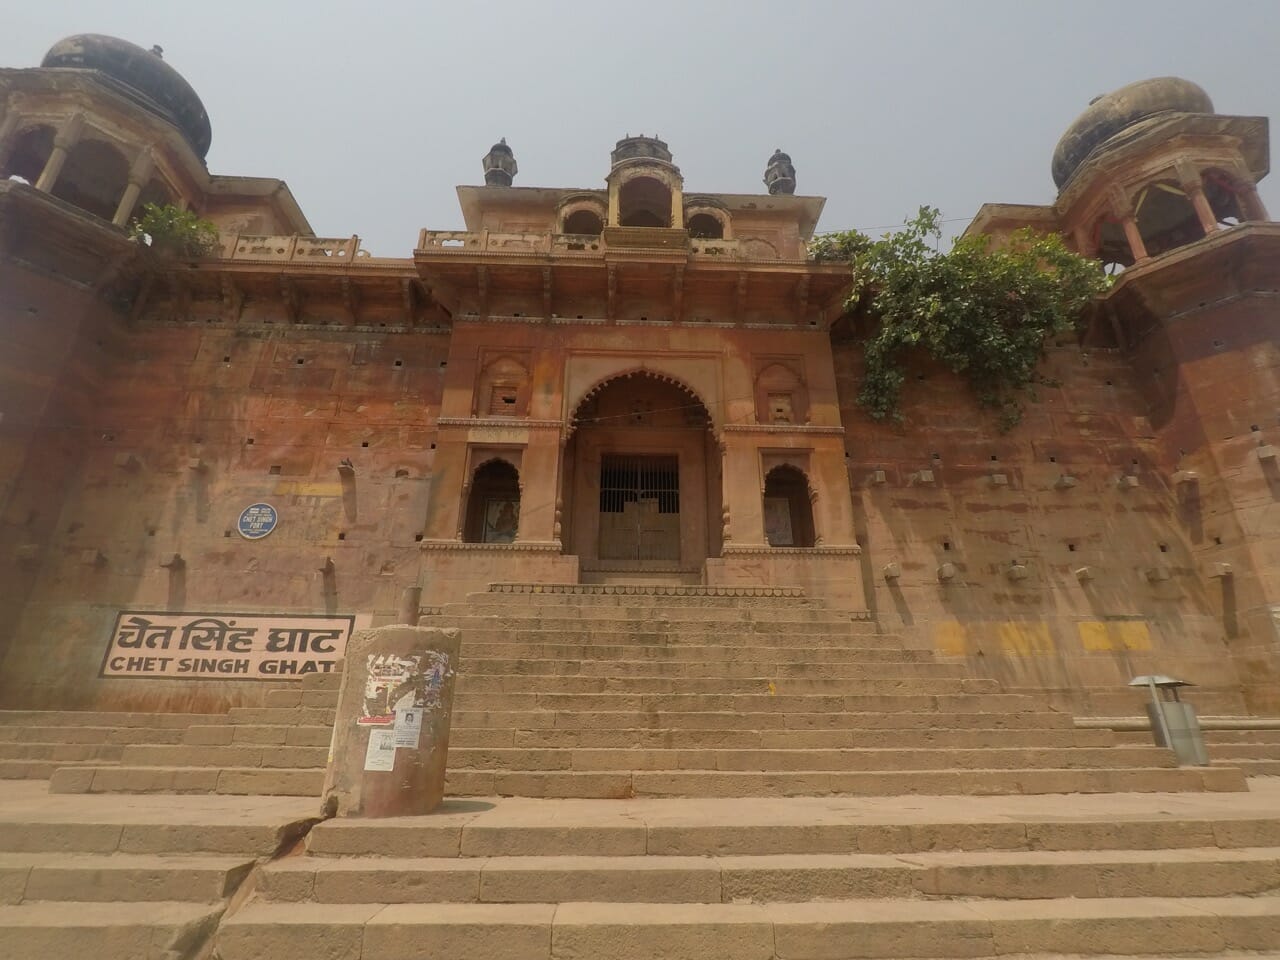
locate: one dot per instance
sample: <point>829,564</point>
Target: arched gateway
<point>642,479</point>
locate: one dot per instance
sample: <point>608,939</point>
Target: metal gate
<point>639,508</point>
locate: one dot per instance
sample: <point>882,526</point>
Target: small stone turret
<point>499,165</point>
<point>780,175</point>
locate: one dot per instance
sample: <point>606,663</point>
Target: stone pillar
<point>139,173</point>
<point>1123,211</point>
<point>7,129</point>
<point>1084,242</point>
<point>1253,207</point>
<point>615,204</point>
<point>391,735</point>
<point>677,208</point>
<point>66,138</point>
<point>410,602</point>
<point>1189,178</point>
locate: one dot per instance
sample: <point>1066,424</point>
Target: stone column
<point>1122,209</point>
<point>139,173</point>
<point>7,129</point>
<point>66,138</point>
<point>1189,178</point>
<point>677,208</point>
<point>1253,207</point>
<point>391,734</point>
<point>615,204</point>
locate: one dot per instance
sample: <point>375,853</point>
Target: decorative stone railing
<point>569,244</point>
<point>241,246</point>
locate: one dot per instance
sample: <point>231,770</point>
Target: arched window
<point>94,178</point>
<point>30,153</point>
<point>493,504</point>
<point>584,222</point>
<point>788,511</point>
<point>1166,218</point>
<point>154,192</point>
<point>645,202</point>
<point>703,226</point>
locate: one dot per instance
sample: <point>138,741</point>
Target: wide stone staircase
<point>676,691</point>
<point>643,774</point>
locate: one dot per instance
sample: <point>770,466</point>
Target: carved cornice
<point>525,546</point>
<point>644,589</point>
<point>784,428</point>
<point>764,550</point>
<point>498,423</point>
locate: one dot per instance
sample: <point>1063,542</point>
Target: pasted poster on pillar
<point>224,646</point>
<point>400,689</point>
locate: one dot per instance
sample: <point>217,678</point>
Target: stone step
<point>323,681</point>
<point>1242,736</point>
<point>60,752</point>
<point>657,625</point>
<point>120,878</point>
<point>759,760</point>
<point>1029,875</point>
<point>103,718</point>
<point>796,931</point>
<point>761,702</point>
<point>301,698</point>
<point>475,666</point>
<point>670,612</point>
<point>481,685</point>
<point>640,596</point>
<point>262,781</point>
<point>241,755</point>
<point>712,636</point>
<point>606,784</point>
<point>749,720</point>
<point>773,739</point>
<point>809,825</point>
<point>105,931</point>
<point>1252,768</point>
<point>69,733</point>
<point>280,716</point>
<point>625,648</point>
<point>31,769</point>
<point>223,734</point>
<point>1244,751</point>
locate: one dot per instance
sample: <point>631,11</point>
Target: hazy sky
<point>374,112</point>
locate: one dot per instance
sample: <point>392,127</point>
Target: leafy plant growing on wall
<point>170,230</point>
<point>982,311</point>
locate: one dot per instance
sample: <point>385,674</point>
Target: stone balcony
<point>637,239</point>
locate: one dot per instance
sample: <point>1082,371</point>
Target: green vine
<point>171,230</point>
<point>983,312</point>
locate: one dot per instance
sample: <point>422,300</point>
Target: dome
<point>145,77</point>
<point>1108,115</point>
<point>632,148</point>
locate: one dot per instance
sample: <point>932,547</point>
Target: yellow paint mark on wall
<point>1094,635</point>
<point>1098,636</point>
<point>1025,638</point>
<point>1133,634</point>
<point>950,638</point>
<point>308,488</point>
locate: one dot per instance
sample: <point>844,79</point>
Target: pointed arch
<point>788,507</point>
<point>579,405</point>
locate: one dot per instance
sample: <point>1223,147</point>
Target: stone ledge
<point>650,589</point>
<point>527,546</point>
<point>753,550</point>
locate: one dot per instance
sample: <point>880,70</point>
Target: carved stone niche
<point>781,395</point>
<point>502,388</point>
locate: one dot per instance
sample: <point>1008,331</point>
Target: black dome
<point>143,76</point>
<point>1117,111</point>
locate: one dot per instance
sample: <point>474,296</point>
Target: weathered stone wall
<point>999,499</point>
<point>185,425</point>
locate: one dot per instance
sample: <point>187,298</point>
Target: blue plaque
<point>257,520</point>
